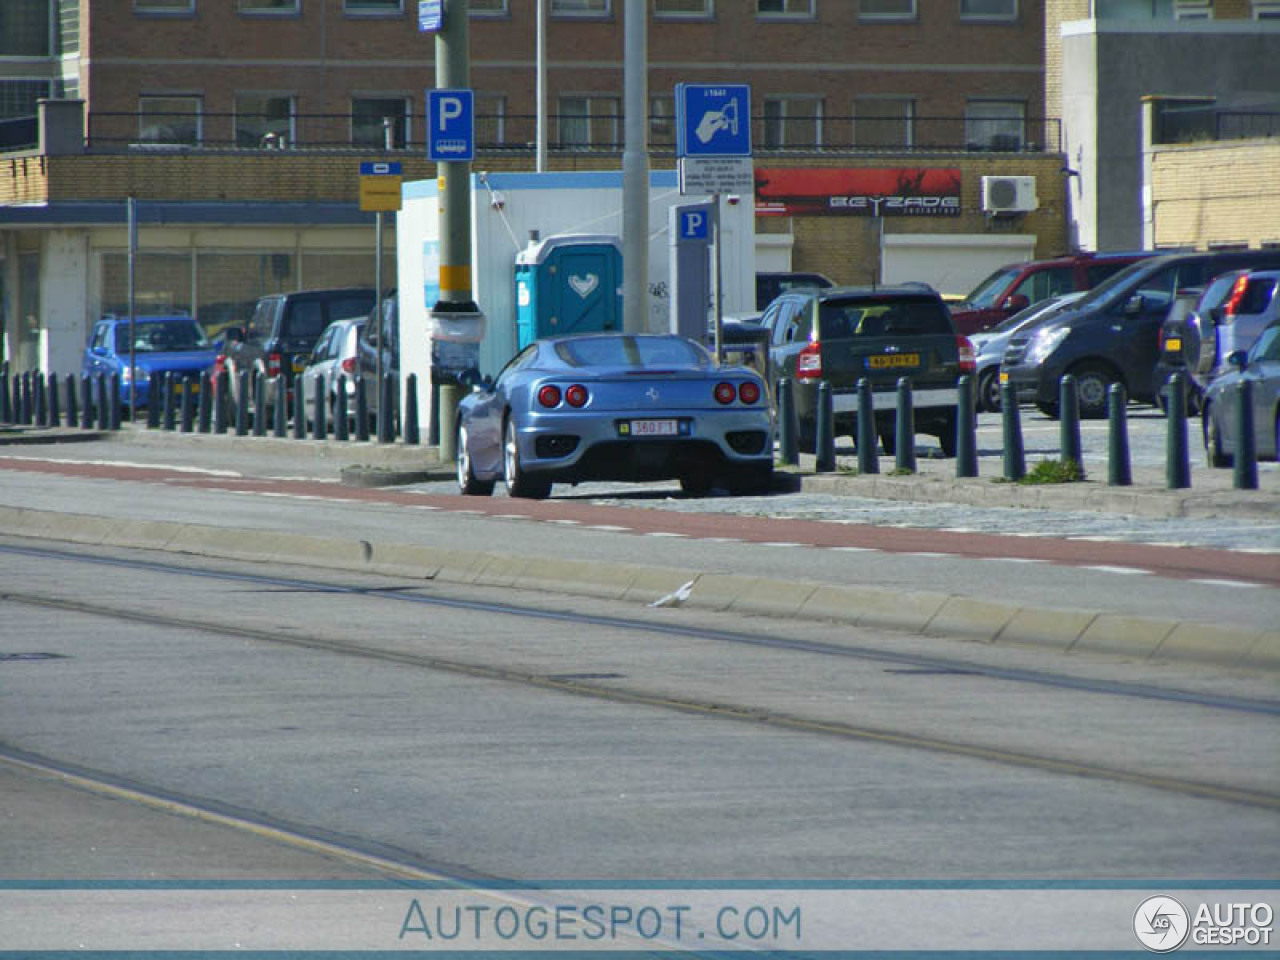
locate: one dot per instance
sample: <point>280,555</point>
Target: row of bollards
<point>205,405</point>
<point>1119,467</point>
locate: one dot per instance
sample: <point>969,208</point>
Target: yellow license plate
<point>299,364</point>
<point>1004,377</point>
<point>892,360</point>
<point>1173,345</point>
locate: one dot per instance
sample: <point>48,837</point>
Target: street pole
<point>541,132</point>
<point>635,171</point>
<point>133,360</point>
<point>453,71</point>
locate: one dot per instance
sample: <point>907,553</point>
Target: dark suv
<point>283,330</point>
<point>844,334</point>
<point>1019,285</point>
<point>1111,334</point>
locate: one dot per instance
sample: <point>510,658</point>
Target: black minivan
<point>1111,335</point>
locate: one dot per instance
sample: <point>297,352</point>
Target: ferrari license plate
<point>649,428</point>
<point>1173,345</point>
<point>890,361</point>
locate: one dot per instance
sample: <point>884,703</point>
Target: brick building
<point>238,126</point>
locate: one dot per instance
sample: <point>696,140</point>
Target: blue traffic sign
<point>713,120</point>
<point>430,16</point>
<point>390,168</point>
<point>451,127</point>
<point>695,223</point>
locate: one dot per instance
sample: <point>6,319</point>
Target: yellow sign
<point>379,193</point>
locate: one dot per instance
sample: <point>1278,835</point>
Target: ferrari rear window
<point>639,352</point>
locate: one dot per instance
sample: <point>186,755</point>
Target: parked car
<point>844,334</point>
<point>770,284</point>
<point>1261,367</point>
<point>175,345</point>
<point>335,354</point>
<point>1180,339</point>
<point>989,345</point>
<point>615,407</point>
<point>1110,335</point>
<point>1016,286</point>
<point>283,331</point>
<point>389,331</point>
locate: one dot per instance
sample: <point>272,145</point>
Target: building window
<point>1266,9</point>
<point>785,8</point>
<point>884,122</point>
<point>1193,9</point>
<point>18,100</point>
<point>164,6</point>
<point>792,122</point>
<point>25,29</point>
<point>488,8</point>
<point>988,9</point>
<point>269,7</point>
<point>491,117</point>
<point>994,124</point>
<point>1133,9</point>
<point>169,120</point>
<point>886,9</point>
<point>373,7</point>
<point>580,8</point>
<point>662,121</point>
<point>264,120</point>
<point>684,9</point>
<point>372,117</point>
<point>589,121</point>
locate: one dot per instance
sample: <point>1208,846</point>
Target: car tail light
<point>968,357</point>
<point>349,366</point>
<point>1233,301</point>
<point>576,395</point>
<point>549,396</point>
<point>749,392</point>
<point>273,364</point>
<point>809,363</point>
<point>725,393</point>
<point>219,365</point>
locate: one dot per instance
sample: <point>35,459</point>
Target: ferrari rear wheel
<point>467,482</point>
<point>517,482</point>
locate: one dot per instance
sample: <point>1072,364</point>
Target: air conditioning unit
<point>1009,195</point>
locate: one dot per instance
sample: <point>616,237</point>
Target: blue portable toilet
<point>569,283</point>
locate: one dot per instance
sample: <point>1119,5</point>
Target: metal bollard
<point>188,406</point>
<point>73,410</point>
<point>412,429</point>
<point>447,411</point>
<point>319,431</point>
<point>362,411</point>
<point>41,407</point>
<point>280,428</point>
<point>1119,471</point>
<point>1015,458</point>
<point>170,412</point>
<point>153,405</point>
<point>6,411</point>
<point>204,409</point>
<point>15,401</point>
<point>222,402</point>
<point>341,429</point>
<point>55,415</point>
<point>1069,444</point>
<point>386,415</point>
<point>242,404</point>
<point>904,430</point>
<point>104,404</point>
<point>86,402</point>
<point>788,425</point>
<point>966,429</point>
<point>825,433</point>
<point>868,455</point>
<point>1177,456</point>
<point>24,405</point>
<point>1244,471</point>
<point>259,404</point>
<point>115,401</point>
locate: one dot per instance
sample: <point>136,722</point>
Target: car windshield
<point>1267,349</point>
<point>168,336</point>
<point>1034,313</point>
<point>985,294</point>
<point>1107,290</point>
<point>641,352</point>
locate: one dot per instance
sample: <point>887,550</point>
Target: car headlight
<point>144,375</point>
<point>1045,342</point>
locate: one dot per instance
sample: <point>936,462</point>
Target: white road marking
<point>608,528</point>
<point>661,533</point>
<point>781,543</point>
<point>1229,583</point>
<point>1102,568</point>
<point>128,463</point>
<point>855,549</point>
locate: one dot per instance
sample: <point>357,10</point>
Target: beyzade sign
<point>835,191</point>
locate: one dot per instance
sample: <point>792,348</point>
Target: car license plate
<point>890,361</point>
<point>299,364</point>
<point>649,428</point>
<point>184,385</point>
<point>1173,345</point>
<point>1004,377</point>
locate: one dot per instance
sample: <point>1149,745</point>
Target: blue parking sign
<point>451,125</point>
<point>713,120</point>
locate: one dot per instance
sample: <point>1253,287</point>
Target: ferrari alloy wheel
<point>516,480</point>
<point>467,482</point>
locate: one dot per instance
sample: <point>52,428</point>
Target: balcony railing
<point>601,133</point>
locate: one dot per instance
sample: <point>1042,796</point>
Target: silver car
<point>989,345</point>
<point>1261,367</point>
<point>334,355</point>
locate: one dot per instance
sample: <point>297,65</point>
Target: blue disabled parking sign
<point>713,120</point>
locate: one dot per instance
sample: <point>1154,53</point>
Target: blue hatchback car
<point>161,344</point>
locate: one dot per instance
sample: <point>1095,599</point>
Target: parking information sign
<point>430,15</point>
<point>380,186</point>
<point>451,125</point>
<point>713,121</point>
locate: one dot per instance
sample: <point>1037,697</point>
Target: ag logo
<point>1161,924</point>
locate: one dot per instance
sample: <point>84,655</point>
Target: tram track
<point>590,686</point>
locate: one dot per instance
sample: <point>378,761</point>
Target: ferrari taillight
<point>749,392</point>
<point>725,393</point>
<point>577,395</point>
<point>549,396</point>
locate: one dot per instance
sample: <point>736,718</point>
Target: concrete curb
<point>931,614</point>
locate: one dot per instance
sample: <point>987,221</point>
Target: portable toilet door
<point>569,284</point>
